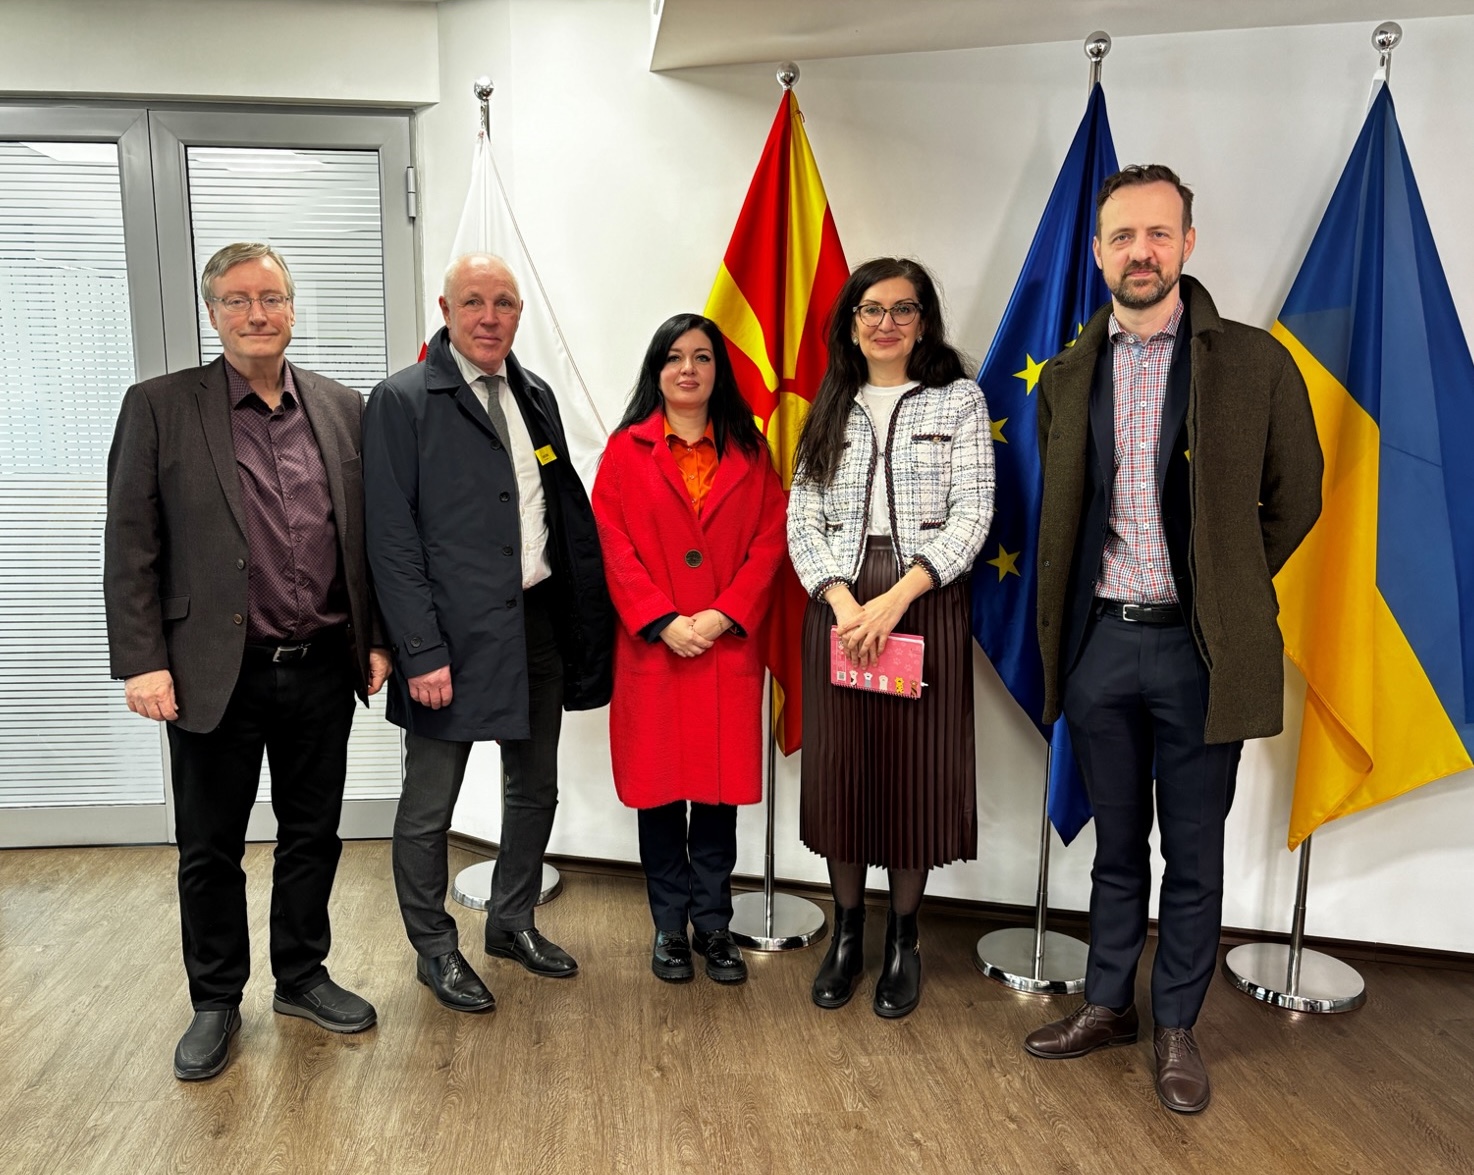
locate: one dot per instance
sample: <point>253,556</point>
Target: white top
<point>880,405</point>
<point>532,505</point>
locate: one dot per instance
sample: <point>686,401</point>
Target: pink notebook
<point>898,672</point>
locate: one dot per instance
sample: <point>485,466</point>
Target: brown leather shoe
<point>1182,1081</point>
<point>1087,1028</point>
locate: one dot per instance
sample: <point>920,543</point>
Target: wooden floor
<point>616,1072</point>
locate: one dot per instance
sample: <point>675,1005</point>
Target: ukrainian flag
<point>1377,605</point>
<point>1058,290</point>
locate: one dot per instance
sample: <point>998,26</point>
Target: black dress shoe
<point>204,1049</point>
<point>328,1006</point>
<point>844,962</point>
<point>670,958</point>
<point>898,990</point>
<point>454,984</point>
<point>532,950</point>
<point>724,962</point>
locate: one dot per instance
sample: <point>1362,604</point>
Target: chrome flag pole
<point>472,885</point>
<point>772,921</point>
<point>1038,960</point>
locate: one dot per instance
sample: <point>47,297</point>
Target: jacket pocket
<point>353,467</point>
<point>175,607</point>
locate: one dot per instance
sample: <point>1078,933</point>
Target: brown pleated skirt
<point>892,781</point>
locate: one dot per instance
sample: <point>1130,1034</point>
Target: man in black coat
<point>239,612</point>
<point>486,561</point>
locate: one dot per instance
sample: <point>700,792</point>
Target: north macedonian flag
<point>781,273</point>
<point>1377,605</point>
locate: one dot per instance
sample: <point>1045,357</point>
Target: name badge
<point>546,456</point>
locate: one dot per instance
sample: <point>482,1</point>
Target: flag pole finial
<point>787,75</point>
<point>1385,38</point>
<point>483,88</point>
<point>1097,45</point>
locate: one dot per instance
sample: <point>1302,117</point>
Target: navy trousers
<point>1136,704</point>
<point>688,867</point>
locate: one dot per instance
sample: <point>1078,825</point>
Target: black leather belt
<point>1159,614</point>
<point>321,642</point>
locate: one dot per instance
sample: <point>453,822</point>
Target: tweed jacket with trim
<point>938,477</point>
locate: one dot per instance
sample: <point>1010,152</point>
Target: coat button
<point>414,642</point>
<point>511,604</point>
<point>506,550</point>
<point>1045,622</point>
<point>504,496</point>
<point>693,558</point>
<point>495,444</point>
<point>1046,563</point>
<point>237,619</point>
<point>240,564</point>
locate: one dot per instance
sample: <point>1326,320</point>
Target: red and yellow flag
<point>781,273</point>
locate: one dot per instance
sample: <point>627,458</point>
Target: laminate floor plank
<point>616,1072</point>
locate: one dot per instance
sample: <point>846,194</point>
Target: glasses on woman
<point>873,313</point>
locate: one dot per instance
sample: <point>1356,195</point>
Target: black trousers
<point>300,715</point>
<point>433,772</point>
<point>1136,705</point>
<point>688,867</point>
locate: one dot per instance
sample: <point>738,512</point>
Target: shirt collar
<point>470,372</point>
<point>1120,334</point>
<point>672,435</point>
<point>239,387</point>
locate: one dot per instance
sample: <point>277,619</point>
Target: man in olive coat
<point>487,567</point>
<point>1181,469</point>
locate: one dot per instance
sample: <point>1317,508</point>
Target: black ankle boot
<point>844,962</point>
<point>898,990</point>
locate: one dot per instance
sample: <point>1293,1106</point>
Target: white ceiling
<point>687,33</point>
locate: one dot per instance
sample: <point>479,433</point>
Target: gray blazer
<point>175,552</point>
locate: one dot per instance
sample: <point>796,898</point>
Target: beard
<point>1140,297</point>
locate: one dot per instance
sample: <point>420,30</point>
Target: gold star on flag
<point>1006,562</point>
<point>1030,374</point>
<point>1079,330</point>
<point>997,427</point>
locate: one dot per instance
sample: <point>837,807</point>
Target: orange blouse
<point>697,463</point>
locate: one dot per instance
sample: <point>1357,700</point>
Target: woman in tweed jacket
<point>891,501</point>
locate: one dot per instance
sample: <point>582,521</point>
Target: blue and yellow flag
<point>1057,291</point>
<point>1377,605</point>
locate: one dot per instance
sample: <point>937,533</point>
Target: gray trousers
<point>433,771</point>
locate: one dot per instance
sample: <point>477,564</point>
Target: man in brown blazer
<point>1181,469</point>
<point>240,614</point>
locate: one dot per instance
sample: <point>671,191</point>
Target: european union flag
<point>1377,605</point>
<point>1058,290</point>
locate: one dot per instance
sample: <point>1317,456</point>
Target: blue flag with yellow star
<point>1058,290</point>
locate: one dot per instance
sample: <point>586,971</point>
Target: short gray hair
<point>233,255</point>
<point>458,262</point>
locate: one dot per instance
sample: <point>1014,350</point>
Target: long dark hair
<point>731,418</point>
<point>933,363</point>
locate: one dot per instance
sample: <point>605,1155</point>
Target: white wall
<point>373,52</point>
<point>627,185</point>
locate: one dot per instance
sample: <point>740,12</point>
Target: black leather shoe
<point>454,984</point>
<point>1087,1028</point>
<point>844,962</point>
<point>670,958</point>
<point>532,950</point>
<point>204,1049</point>
<point>898,990</point>
<point>724,962</point>
<point>328,1006</point>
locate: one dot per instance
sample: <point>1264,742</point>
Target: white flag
<point>488,226</point>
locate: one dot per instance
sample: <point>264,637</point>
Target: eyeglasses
<point>270,303</point>
<point>873,313</point>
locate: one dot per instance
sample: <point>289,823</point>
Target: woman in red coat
<point>691,519</point>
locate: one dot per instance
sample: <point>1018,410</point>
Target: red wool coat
<point>687,728</point>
